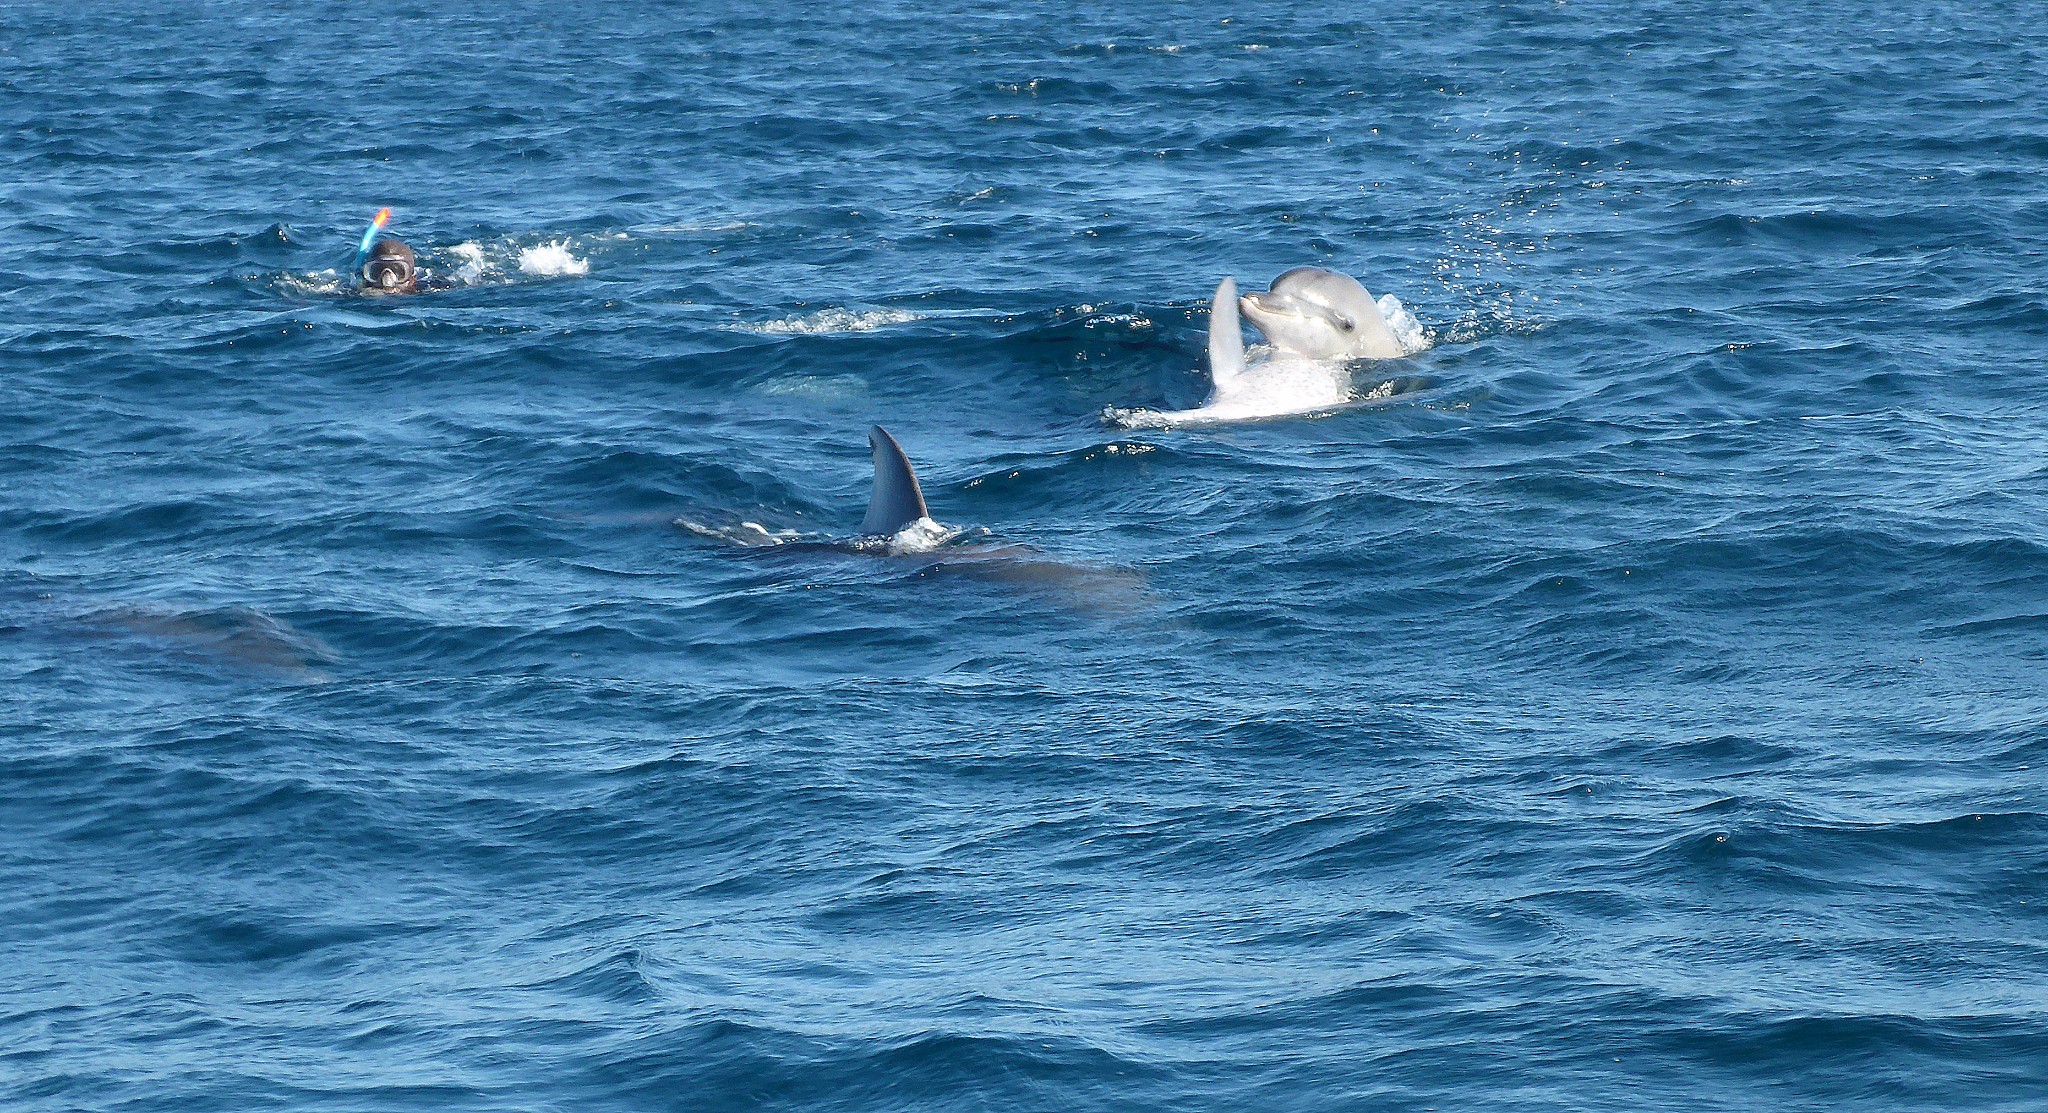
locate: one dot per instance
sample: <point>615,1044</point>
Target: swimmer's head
<point>391,268</point>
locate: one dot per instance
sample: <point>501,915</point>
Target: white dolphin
<point>1315,322</point>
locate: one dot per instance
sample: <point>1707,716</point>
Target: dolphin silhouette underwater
<point>1316,324</point>
<point>233,640</point>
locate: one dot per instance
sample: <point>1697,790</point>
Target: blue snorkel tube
<point>377,224</point>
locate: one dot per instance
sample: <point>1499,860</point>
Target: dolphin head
<point>1321,314</point>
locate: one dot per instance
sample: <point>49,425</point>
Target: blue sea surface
<point>470,701</point>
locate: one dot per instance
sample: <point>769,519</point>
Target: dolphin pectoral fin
<point>897,500</point>
<point>1226,336</point>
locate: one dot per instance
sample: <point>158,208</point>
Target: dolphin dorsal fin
<point>1226,336</point>
<point>897,500</point>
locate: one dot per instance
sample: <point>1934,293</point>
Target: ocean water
<point>1637,700</point>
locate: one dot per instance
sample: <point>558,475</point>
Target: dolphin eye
<point>1346,324</point>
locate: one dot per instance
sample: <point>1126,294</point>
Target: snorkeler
<point>388,266</point>
<point>391,269</point>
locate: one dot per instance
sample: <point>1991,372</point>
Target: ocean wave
<point>830,321</point>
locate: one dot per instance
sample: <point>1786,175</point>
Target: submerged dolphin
<point>897,521</point>
<point>238,639</point>
<point>898,524</point>
<point>1315,323</point>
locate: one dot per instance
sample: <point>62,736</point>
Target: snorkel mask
<point>389,271</point>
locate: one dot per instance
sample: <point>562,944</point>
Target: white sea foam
<point>832,320</point>
<point>1136,417</point>
<point>921,536</point>
<point>470,265</point>
<point>551,259</point>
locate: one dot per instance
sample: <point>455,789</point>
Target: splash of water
<point>1413,336</point>
<point>551,259</point>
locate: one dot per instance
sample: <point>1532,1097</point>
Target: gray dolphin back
<point>897,500</point>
